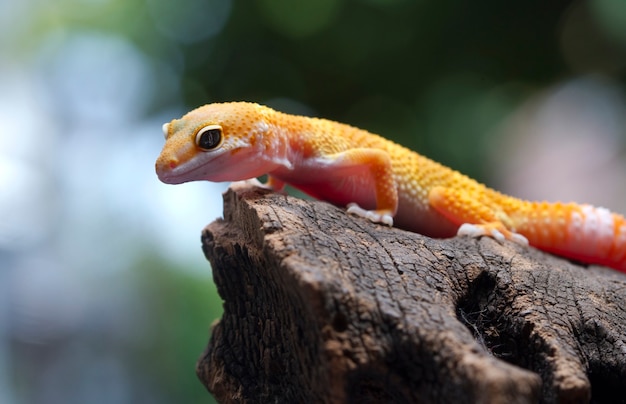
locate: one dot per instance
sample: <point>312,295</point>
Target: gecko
<point>377,179</point>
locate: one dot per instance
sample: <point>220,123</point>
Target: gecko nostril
<point>164,165</point>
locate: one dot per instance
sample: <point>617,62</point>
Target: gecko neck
<point>276,147</point>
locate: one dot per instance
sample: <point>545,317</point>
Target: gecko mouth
<point>169,178</point>
<point>172,174</point>
<point>215,167</point>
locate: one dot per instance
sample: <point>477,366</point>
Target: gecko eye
<point>209,137</point>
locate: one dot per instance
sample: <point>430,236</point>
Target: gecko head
<point>215,142</point>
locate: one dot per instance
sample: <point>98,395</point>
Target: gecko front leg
<point>359,178</point>
<point>378,166</point>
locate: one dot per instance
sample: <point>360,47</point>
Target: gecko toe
<point>497,235</point>
<point>468,229</point>
<point>371,215</point>
<point>519,239</point>
<point>387,219</point>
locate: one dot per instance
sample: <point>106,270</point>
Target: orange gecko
<point>376,179</point>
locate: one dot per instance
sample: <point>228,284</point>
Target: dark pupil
<point>209,139</point>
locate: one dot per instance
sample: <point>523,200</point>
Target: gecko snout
<point>164,166</point>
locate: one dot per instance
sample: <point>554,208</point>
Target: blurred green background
<point>105,296</point>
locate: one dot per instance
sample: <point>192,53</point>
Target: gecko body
<point>377,179</point>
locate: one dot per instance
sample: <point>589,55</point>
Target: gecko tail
<point>586,233</point>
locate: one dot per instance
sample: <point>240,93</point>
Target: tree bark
<point>320,306</point>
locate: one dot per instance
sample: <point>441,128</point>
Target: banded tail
<point>582,232</point>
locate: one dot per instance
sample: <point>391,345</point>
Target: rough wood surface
<point>320,306</point>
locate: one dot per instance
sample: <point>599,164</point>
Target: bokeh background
<point>105,296</point>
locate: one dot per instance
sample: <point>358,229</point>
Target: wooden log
<point>320,306</point>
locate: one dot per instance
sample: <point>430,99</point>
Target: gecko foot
<point>252,182</point>
<point>493,230</point>
<point>371,215</point>
<point>273,184</point>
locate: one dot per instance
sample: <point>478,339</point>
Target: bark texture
<point>323,307</point>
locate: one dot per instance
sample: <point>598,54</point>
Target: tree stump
<point>320,306</point>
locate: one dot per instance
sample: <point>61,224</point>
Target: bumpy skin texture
<point>379,179</point>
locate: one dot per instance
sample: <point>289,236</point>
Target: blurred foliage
<point>181,308</point>
<point>141,350</point>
